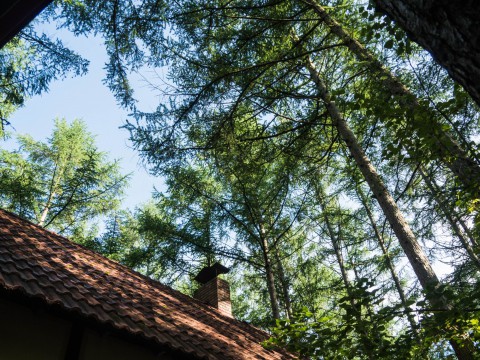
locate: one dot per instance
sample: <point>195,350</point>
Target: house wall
<point>97,346</point>
<point>26,334</point>
<point>30,334</point>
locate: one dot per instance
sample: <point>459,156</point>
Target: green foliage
<point>132,31</point>
<point>460,322</point>
<point>376,334</point>
<point>61,183</point>
<point>158,244</point>
<point>356,330</point>
<point>28,64</point>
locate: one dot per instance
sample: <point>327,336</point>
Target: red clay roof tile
<point>48,266</point>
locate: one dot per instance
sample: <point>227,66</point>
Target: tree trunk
<point>449,151</point>
<point>388,260</point>
<point>436,191</point>
<point>368,305</point>
<point>52,192</point>
<point>284,284</point>
<point>448,30</point>
<point>338,254</point>
<point>336,243</point>
<point>467,231</point>
<point>409,243</point>
<point>46,210</point>
<point>43,217</point>
<point>417,258</point>
<point>270,278</point>
<point>448,215</point>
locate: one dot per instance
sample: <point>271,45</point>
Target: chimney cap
<point>210,272</point>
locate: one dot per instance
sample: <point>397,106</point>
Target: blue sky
<point>88,99</point>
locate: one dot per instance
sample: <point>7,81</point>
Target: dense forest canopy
<point>309,145</point>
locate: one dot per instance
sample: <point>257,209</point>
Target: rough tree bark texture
<point>448,29</point>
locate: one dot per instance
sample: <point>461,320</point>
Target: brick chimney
<point>214,291</point>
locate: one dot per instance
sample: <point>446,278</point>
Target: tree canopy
<point>28,64</point>
<point>62,183</point>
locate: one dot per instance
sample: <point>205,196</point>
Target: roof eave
<point>16,14</point>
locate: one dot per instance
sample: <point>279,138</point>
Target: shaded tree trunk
<point>448,30</point>
<point>285,285</point>
<point>388,260</point>
<point>269,276</point>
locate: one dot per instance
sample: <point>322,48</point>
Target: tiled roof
<point>44,265</point>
